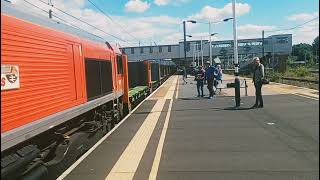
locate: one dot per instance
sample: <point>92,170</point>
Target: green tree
<point>304,52</point>
<point>315,45</point>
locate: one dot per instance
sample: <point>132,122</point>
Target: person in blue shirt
<point>217,75</point>
<point>209,76</point>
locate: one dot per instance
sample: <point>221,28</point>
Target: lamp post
<point>210,24</point>
<point>236,61</point>
<point>184,40</point>
<point>210,47</point>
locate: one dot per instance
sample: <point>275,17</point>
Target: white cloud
<point>161,2</point>
<point>251,28</point>
<point>216,14</point>
<point>161,19</point>
<point>145,29</point>
<point>248,31</point>
<point>167,2</point>
<point>161,29</point>
<point>137,6</point>
<point>303,16</point>
<point>307,32</point>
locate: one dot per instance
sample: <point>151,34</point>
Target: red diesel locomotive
<point>62,89</point>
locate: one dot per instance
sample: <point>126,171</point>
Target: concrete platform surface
<point>176,136</point>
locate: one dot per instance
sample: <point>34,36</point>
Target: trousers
<point>259,100</point>
<point>200,87</point>
<point>210,87</point>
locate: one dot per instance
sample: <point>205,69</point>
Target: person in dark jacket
<point>209,76</point>
<point>199,77</point>
<point>258,75</point>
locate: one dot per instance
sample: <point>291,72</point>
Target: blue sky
<point>159,21</point>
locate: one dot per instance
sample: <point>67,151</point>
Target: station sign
<point>10,77</point>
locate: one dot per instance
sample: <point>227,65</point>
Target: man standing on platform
<point>258,75</point>
<point>209,75</point>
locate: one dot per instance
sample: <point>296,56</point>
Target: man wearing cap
<point>209,76</point>
<point>258,75</point>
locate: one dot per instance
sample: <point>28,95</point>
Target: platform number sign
<point>9,77</point>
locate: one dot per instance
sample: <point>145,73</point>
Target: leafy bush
<point>298,72</point>
<point>274,76</point>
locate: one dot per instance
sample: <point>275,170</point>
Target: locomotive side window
<point>98,77</point>
<point>119,65</point>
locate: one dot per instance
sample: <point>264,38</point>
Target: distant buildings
<point>273,46</point>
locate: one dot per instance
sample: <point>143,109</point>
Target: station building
<point>275,46</point>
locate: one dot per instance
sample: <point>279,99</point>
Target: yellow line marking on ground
<point>74,165</point>
<point>127,164</point>
<point>172,88</point>
<point>177,88</point>
<point>155,166</point>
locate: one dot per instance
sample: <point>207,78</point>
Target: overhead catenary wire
<point>77,27</point>
<point>84,22</point>
<point>36,6</point>
<point>68,23</point>
<point>295,27</point>
<point>109,17</point>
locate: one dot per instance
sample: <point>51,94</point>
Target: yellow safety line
<point>177,88</point>
<point>127,164</point>
<point>157,158</point>
<point>169,94</point>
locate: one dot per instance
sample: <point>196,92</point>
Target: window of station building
<point>256,43</point>
<point>169,48</point>
<point>119,65</point>
<point>242,44</point>
<point>282,40</point>
<point>151,50</point>
<point>160,49</point>
<point>132,50</point>
<point>141,50</point>
<point>253,43</point>
<point>222,45</point>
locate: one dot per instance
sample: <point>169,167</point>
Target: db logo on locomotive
<point>9,77</point>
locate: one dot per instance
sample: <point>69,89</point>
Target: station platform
<point>174,135</point>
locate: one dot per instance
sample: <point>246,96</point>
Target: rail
<point>301,80</point>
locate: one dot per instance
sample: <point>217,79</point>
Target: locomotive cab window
<point>119,65</point>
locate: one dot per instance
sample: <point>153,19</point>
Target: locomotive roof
<point>18,12</point>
